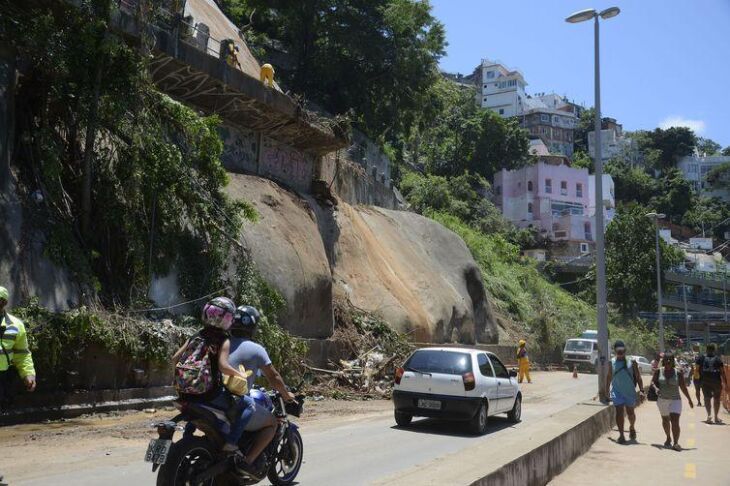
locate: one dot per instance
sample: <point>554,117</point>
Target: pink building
<point>554,198</point>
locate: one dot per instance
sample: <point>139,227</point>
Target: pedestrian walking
<point>697,381</point>
<point>668,380</point>
<point>623,377</point>
<point>713,380</point>
<point>523,362</point>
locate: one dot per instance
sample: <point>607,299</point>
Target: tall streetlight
<point>602,370</point>
<point>656,217</point>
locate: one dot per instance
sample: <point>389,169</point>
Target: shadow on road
<point>453,429</point>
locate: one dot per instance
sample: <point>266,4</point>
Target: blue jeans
<point>246,408</point>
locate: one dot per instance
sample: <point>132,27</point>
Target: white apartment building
<point>613,143</point>
<point>500,89</point>
<point>695,170</point>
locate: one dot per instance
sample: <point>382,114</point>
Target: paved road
<point>645,462</point>
<point>349,451</point>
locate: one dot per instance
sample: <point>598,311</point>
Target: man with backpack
<point>200,364</point>
<point>254,357</point>
<point>712,374</point>
<point>623,376</point>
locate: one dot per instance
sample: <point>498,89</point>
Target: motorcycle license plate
<point>157,451</point>
<point>429,404</point>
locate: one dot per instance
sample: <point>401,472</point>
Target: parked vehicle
<point>643,363</point>
<point>199,460</point>
<point>455,384</point>
<point>582,351</point>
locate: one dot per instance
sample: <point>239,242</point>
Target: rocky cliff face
<point>413,272</point>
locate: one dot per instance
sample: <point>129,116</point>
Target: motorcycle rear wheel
<point>283,472</point>
<point>188,456</point>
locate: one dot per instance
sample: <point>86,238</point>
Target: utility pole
<point>601,308</point>
<point>656,217</point>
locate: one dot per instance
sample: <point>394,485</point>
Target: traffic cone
<point>575,371</point>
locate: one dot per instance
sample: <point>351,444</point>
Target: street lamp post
<point>656,217</point>
<point>602,311</point>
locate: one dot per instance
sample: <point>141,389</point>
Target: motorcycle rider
<point>244,351</point>
<point>218,315</point>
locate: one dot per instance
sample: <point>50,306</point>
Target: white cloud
<point>697,126</point>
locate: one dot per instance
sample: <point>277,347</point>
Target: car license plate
<point>157,451</point>
<point>429,404</point>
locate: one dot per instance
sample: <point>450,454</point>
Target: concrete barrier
<point>549,459</point>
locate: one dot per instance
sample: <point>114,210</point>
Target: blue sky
<point>663,62</point>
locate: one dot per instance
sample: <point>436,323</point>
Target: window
<point>545,118</point>
<point>490,74</point>
<point>544,131</point>
<point>501,111</point>
<point>549,186</point>
<point>445,362</point>
<point>563,188</point>
<point>561,208</point>
<point>529,186</point>
<point>484,367</point>
<point>556,226</point>
<point>498,189</point>
<point>485,86</point>
<point>511,82</point>
<point>499,368</point>
<point>529,208</point>
<point>587,231</point>
<point>579,190</point>
<point>584,248</point>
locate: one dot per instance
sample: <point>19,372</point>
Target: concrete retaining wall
<point>552,457</point>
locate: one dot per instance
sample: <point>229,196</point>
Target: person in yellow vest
<point>523,362</point>
<point>14,352</point>
<point>267,75</point>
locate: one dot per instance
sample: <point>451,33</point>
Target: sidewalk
<point>704,460</point>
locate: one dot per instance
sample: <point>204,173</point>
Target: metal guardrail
<point>697,299</point>
<point>679,316</point>
<point>701,275</point>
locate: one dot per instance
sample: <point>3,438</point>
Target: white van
<point>582,351</point>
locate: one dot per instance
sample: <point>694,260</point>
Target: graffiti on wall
<point>286,164</point>
<point>239,149</point>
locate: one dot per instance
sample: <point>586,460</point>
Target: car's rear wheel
<point>515,415</point>
<point>478,424</point>
<point>403,419</point>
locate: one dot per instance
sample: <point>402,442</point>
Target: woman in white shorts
<point>668,382</point>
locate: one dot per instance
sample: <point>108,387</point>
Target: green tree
<point>502,144</point>
<point>581,160</point>
<point>631,184</point>
<point>586,123</point>
<point>670,145</point>
<point>719,176</point>
<point>726,151</point>
<point>708,146</point>
<point>374,58</point>
<point>675,197</point>
<point>631,260</point>
<point>157,192</point>
<point>709,214</point>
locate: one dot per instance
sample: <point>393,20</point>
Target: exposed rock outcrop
<point>413,272</point>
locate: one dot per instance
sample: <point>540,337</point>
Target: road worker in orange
<point>523,362</point>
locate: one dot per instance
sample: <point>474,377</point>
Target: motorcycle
<point>199,460</point>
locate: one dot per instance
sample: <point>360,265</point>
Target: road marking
<point>690,471</point>
<point>690,442</point>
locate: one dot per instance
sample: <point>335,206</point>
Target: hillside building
<point>695,169</point>
<point>499,88</point>
<point>614,143</point>
<point>557,200</point>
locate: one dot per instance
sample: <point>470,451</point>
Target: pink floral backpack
<point>196,373</point>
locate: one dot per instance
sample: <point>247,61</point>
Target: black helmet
<point>245,320</point>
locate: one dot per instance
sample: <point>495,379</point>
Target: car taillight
<point>469,381</point>
<point>398,375</point>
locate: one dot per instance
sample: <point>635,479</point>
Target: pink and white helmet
<point>219,313</point>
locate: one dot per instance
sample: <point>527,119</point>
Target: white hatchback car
<point>643,363</point>
<point>455,384</point>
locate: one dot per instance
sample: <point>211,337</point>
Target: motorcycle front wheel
<point>188,457</point>
<point>288,460</point>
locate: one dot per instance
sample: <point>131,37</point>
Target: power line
<point>155,309</point>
